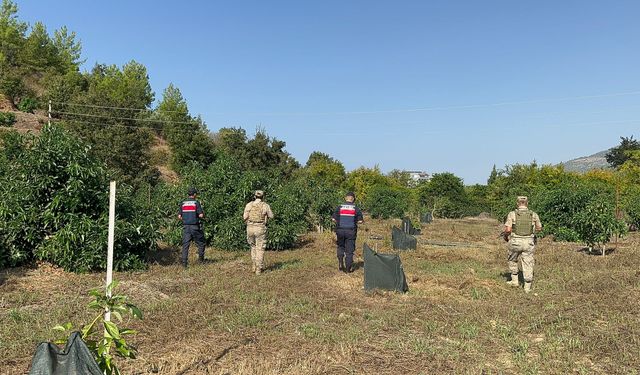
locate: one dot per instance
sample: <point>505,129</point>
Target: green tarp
<point>402,241</point>
<point>408,228</point>
<point>383,271</point>
<point>426,218</point>
<point>74,359</point>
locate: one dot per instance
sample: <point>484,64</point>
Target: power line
<point>120,118</point>
<point>104,124</point>
<point>109,107</point>
<point>404,110</point>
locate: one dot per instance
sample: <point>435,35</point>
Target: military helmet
<point>259,194</point>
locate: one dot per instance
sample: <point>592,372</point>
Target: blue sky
<point>453,86</point>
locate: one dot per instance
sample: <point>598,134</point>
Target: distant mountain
<point>587,163</point>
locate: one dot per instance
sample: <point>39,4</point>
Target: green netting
<point>383,271</point>
<point>75,358</point>
<point>426,218</point>
<point>408,228</point>
<point>402,241</point>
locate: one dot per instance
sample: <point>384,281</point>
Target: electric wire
<point>405,110</point>
<point>120,118</point>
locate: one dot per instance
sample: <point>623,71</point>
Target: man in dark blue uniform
<point>190,213</point>
<point>347,217</point>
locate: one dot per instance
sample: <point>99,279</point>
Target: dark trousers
<point>346,239</point>
<point>192,232</point>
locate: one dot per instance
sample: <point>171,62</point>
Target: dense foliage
<point>7,119</point>
<point>224,189</point>
<point>54,206</point>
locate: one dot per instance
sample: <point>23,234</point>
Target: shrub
<point>597,223</point>
<point>632,208</point>
<point>28,104</point>
<point>386,201</point>
<point>224,190</point>
<point>7,119</point>
<point>55,204</point>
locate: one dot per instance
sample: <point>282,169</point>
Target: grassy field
<point>304,317</point>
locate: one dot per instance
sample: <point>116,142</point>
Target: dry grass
<point>303,317</point>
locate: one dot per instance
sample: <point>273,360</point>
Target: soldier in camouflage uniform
<point>519,231</point>
<point>256,214</point>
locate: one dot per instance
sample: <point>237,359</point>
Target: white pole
<point>112,222</point>
<point>49,121</point>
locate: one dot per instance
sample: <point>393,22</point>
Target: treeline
<point>105,126</point>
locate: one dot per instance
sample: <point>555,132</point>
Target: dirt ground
<point>302,316</point>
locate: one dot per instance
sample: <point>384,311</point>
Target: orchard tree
<point>388,201</point>
<point>258,153</point>
<point>400,178</point>
<point>323,167</point>
<point>597,223</point>
<point>444,195</point>
<point>361,180</point>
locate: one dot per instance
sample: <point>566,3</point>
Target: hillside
<point>587,163</point>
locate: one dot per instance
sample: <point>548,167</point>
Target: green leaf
<point>112,330</point>
<point>117,315</point>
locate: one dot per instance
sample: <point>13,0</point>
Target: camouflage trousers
<point>522,247</point>
<point>257,239</point>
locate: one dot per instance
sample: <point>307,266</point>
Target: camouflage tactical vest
<point>256,212</point>
<point>524,223</point>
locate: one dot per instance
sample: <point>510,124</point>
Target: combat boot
<point>514,280</point>
<point>340,265</point>
<point>527,286</point>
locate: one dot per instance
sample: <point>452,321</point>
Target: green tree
<point>388,201</point>
<point>38,54</point>
<point>12,38</point>
<point>361,180</point>
<point>258,153</point>
<point>120,137</point>
<point>188,137</point>
<point>323,167</point>
<point>54,206</point>
<point>444,195</point>
<point>68,47</point>
<point>597,223</point>
<point>400,178</point>
<point>618,155</point>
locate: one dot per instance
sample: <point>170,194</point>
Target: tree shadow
<point>588,251</point>
<point>357,265</point>
<point>15,272</point>
<point>283,265</point>
<point>164,256</point>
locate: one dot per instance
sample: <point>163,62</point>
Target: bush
<point>7,119</point>
<point>224,190</point>
<point>55,206</point>
<point>632,208</point>
<point>28,104</point>
<point>597,223</point>
<point>385,201</point>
